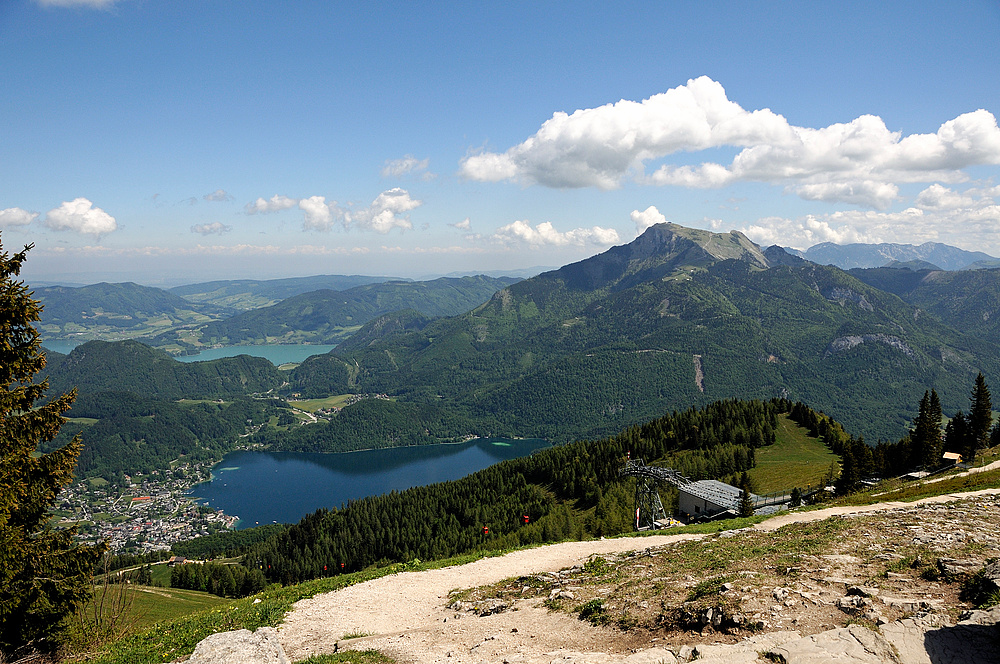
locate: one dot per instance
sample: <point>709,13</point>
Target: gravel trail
<point>405,615</point>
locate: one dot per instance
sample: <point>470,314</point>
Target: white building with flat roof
<point>707,498</point>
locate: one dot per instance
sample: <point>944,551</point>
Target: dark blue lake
<point>283,487</point>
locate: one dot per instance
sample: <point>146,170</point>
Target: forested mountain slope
<point>245,294</point>
<point>569,491</point>
<point>117,309</point>
<point>675,318</point>
<point>137,435</point>
<point>130,366</point>
<point>327,316</point>
<point>968,300</point>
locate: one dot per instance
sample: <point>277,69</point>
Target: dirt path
<point>405,615</point>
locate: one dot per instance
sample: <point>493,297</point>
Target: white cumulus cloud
<point>859,162</point>
<point>386,212</point>
<point>463,225</point>
<point>646,218</point>
<point>276,203</point>
<point>389,210</point>
<point>215,228</point>
<point>319,215</point>
<point>937,197</point>
<point>16,216</point>
<point>545,234</point>
<point>968,219</point>
<point>80,216</point>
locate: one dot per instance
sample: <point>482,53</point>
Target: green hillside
<point>675,318</point>
<point>968,300</point>
<point>568,491</point>
<point>114,311</point>
<point>246,294</point>
<point>327,316</point>
<point>130,366</point>
<point>126,434</point>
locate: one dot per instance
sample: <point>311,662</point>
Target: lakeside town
<point>148,513</point>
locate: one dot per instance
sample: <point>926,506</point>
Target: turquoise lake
<point>283,487</point>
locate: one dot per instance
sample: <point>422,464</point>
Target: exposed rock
<point>855,644</point>
<point>841,344</point>
<point>952,567</point>
<point>854,605</point>
<point>929,639</point>
<point>744,652</point>
<point>651,656</point>
<point>911,604</point>
<point>863,591</point>
<point>987,582</point>
<point>240,647</point>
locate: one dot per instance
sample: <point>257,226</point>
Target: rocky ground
<point>887,583</point>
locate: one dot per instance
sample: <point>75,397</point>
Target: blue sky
<point>169,142</point>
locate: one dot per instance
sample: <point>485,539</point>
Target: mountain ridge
<point>861,255</point>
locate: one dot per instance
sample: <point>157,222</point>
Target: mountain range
<point>936,254</point>
<point>248,312</point>
<point>330,316</point>
<point>676,318</point>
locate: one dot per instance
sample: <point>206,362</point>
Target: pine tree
<point>44,574</point>
<point>956,434</point>
<point>849,479</point>
<point>935,439</point>
<point>980,418</point>
<point>926,434</point>
<point>746,504</point>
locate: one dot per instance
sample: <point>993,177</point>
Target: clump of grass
<point>707,588</point>
<point>597,566</point>
<point>980,592</point>
<point>593,612</point>
<point>350,657</point>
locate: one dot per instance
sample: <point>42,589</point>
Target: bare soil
<point>873,565</point>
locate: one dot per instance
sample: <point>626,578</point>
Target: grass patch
<point>151,605</point>
<point>593,612</point>
<point>350,657</point>
<point>312,405</point>
<point>916,491</point>
<point>794,459</point>
<point>161,574</point>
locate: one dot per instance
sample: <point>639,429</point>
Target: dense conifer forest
<point>568,491</point>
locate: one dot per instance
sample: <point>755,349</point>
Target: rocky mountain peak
<point>659,251</point>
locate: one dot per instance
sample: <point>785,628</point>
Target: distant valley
<point>188,318</point>
<point>677,318</point>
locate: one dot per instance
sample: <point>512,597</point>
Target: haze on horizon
<point>186,141</point>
